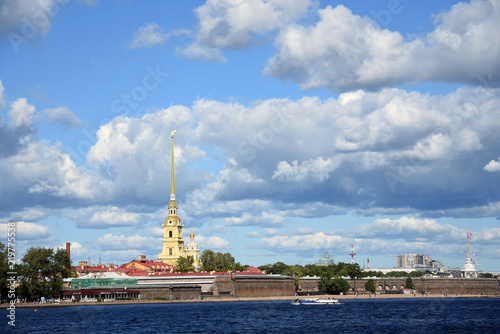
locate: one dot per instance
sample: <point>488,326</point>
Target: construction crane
<point>352,254</point>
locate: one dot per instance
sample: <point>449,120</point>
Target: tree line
<point>210,261</point>
<point>40,273</point>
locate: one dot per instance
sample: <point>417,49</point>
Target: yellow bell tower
<point>173,242</point>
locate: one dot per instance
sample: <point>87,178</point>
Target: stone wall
<point>170,292</point>
<point>432,285</point>
<point>263,286</point>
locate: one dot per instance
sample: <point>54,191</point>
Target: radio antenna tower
<point>352,254</point>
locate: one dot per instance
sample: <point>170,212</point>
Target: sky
<point>301,127</point>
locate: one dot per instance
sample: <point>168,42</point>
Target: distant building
<point>144,267</point>
<point>418,261</point>
<point>326,260</point>
<point>85,268</point>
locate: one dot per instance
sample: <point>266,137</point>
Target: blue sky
<point>302,127</point>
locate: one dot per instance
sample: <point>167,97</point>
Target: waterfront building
<point>173,242</point>
<point>469,268</point>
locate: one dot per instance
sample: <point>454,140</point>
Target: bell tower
<point>173,242</point>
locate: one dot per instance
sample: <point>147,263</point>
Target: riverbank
<point>242,299</point>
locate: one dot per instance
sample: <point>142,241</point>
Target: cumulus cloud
<point>148,36</point>
<point>343,51</point>
<point>212,242</point>
<point>317,170</point>
<point>63,116</point>
<point>493,166</point>
<point>123,243</point>
<point>35,15</point>
<point>409,228</point>
<point>265,219</point>
<point>27,231</point>
<point>101,217</point>
<point>318,240</point>
<point>238,24</point>
<point>21,114</point>
<point>375,148</point>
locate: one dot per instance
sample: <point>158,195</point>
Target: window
<point>170,251</point>
<point>170,235</point>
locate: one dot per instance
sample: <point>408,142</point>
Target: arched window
<point>170,251</point>
<point>170,235</point>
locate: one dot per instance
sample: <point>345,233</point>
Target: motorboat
<point>315,301</point>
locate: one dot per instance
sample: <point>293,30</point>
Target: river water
<point>370,315</point>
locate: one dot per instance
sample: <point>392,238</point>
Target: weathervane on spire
<point>172,133</point>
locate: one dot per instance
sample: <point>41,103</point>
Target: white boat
<point>315,301</point>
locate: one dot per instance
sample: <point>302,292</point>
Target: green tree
<point>353,271</point>
<point>224,261</point>
<point>42,271</point>
<point>333,285</point>
<point>207,259</point>
<point>239,267</point>
<point>370,286</point>
<point>184,264</point>
<point>409,283</point>
<point>211,261</point>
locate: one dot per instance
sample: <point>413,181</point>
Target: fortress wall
<point>431,285</point>
<point>263,286</point>
<point>170,292</point>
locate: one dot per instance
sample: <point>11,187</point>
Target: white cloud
<point>253,234</point>
<point>271,231</point>
<point>108,216</point>
<point>114,216</point>
<point>62,115</point>
<point>16,14</point>
<point>409,228</point>
<point>317,240</point>
<point>493,166</point>
<point>122,242</point>
<point>201,53</point>
<point>238,24</point>
<point>343,51</point>
<point>316,170</point>
<point>25,231</point>
<point>21,113</point>
<point>148,36</point>
<point>213,242</point>
<point>265,219</point>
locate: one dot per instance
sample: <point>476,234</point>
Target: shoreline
<point>240,299</point>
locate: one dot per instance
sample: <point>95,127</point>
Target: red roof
<point>253,269</point>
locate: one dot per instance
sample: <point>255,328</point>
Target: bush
<point>159,298</point>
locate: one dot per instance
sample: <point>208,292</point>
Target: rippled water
<point>371,315</point>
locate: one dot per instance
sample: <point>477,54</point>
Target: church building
<point>173,242</point>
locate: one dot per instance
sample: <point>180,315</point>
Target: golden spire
<point>173,202</point>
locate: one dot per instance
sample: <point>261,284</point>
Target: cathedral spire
<point>173,202</point>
